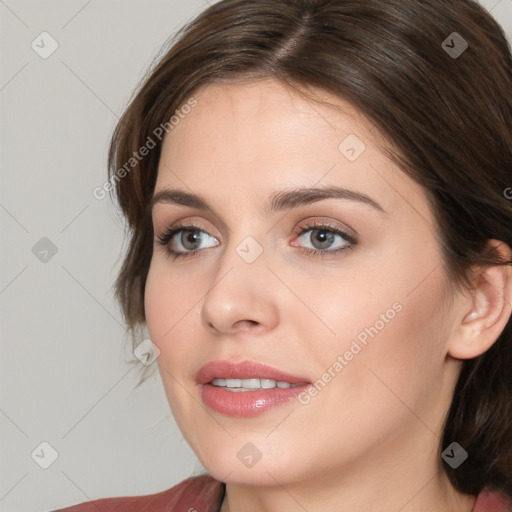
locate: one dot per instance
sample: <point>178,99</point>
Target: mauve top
<point>205,494</point>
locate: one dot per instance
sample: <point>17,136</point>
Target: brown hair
<point>448,118</point>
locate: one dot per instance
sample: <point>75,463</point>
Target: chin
<point>239,461</point>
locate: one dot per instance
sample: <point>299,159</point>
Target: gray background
<point>65,379</point>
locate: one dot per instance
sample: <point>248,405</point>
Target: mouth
<point>247,388</point>
<point>246,375</point>
<point>252,384</point>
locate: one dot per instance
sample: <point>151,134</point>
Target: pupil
<point>192,238</point>
<point>324,238</point>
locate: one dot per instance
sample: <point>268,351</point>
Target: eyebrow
<point>279,201</point>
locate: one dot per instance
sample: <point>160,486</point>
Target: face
<point>336,291</point>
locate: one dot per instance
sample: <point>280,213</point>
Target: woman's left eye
<point>183,241</point>
<point>325,239</point>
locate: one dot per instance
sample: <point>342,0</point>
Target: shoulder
<point>193,494</point>
<point>492,501</point>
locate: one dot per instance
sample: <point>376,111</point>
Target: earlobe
<point>489,310</point>
<point>471,316</point>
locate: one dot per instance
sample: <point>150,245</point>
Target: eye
<point>324,238</point>
<point>182,241</point>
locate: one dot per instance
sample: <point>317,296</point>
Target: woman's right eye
<point>183,241</point>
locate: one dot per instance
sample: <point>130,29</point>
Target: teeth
<point>250,383</point>
<point>253,383</point>
<point>233,383</point>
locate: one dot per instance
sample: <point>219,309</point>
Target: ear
<point>487,312</point>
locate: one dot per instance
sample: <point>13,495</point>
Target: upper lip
<point>243,370</point>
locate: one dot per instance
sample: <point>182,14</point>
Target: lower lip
<point>243,404</point>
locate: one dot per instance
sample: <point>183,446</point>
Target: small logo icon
<point>352,148</point>
<point>44,45</point>
<point>249,250</point>
<point>454,455</point>
<point>146,352</point>
<point>508,193</point>
<point>44,250</point>
<point>455,45</point>
<point>44,455</point>
<point>249,455</point>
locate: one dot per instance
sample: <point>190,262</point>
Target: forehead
<point>267,108</point>
<point>252,138</point>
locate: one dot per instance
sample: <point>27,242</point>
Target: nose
<point>242,296</point>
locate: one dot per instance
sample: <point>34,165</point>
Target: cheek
<point>168,306</point>
<point>157,305</point>
<point>387,323</point>
<point>396,349</point>
<point>167,301</point>
<point>171,301</point>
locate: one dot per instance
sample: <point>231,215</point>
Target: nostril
<point>212,327</point>
<point>247,323</point>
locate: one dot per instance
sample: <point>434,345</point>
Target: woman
<point>318,196</point>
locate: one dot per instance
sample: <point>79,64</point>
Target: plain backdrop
<point>67,397</point>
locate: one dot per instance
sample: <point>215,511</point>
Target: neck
<point>292,498</point>
<point>375,485</point>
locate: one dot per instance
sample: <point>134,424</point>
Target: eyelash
<point>164,239</point>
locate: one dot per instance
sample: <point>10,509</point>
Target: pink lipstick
<point>246,388</point>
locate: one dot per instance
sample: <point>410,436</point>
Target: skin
<point>369,440</point>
